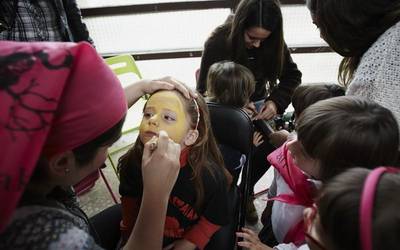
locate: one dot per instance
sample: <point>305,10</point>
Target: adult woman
<point>253,37</point>
<point>54,132</point>
<point>367,34</point>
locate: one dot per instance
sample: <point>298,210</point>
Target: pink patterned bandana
<point>54,97</point>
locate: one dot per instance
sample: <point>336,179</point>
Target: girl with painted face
<point>332,136</point>
<point>198,203</point>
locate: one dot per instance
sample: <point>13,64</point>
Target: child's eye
<point>147,114</point>
<point>169,118</point>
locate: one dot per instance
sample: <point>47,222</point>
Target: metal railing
<point>182,6</point>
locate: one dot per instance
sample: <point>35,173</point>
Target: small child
<point>304,96</point>
<point>199,200</point>
<point>232,84</point>
<point>356,210</point>
<point>332,136</point>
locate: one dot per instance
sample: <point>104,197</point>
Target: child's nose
<point>154,120</point>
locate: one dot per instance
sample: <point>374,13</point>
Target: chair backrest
<point>233,127</point>
<point>123,64</point>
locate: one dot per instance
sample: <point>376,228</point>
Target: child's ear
<point>191,137</point>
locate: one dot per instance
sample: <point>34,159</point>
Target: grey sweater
<point>377,77</point>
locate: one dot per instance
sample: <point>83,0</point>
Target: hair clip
<point>367,204</point>
<point>198,112</point>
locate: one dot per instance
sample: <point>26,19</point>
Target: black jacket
<point>216,49</point>
<point>69,19</point>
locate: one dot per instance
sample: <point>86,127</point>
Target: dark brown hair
<point>346,131</point>
<point>339,204</point>
<point>351,27</point>
<point>230,83</point>
<point>204,154</point>
<point>265,14</point>
<point>307,94</point>
<point>86,152</point>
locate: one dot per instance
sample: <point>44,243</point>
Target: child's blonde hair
<point>230,83</point>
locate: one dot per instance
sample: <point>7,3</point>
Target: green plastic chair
<point>124,66</point>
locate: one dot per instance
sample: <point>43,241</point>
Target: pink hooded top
<point>54,97</point>
<point>297,181</point>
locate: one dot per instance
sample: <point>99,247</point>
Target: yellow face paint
<point>164,111</point>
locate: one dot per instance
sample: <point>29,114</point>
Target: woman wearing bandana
<point>61,107</point>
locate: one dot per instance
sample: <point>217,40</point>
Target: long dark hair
<point>348,131</point>
<point>204,154</point>
<point>267,15</point>
<point>339,205</point>
<point>351,27</point>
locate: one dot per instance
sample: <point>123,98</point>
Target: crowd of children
<point>333,134</point>
<point>335,138</point>
<point>335,177</point>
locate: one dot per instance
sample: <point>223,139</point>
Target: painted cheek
<point>142,130</point>
<point>177,130</point>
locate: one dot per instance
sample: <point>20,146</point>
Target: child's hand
<point>257,139</point>
<point>278,138</point>
<point>160,165</point>
<point>251,240</point>
<point>181,245</point>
